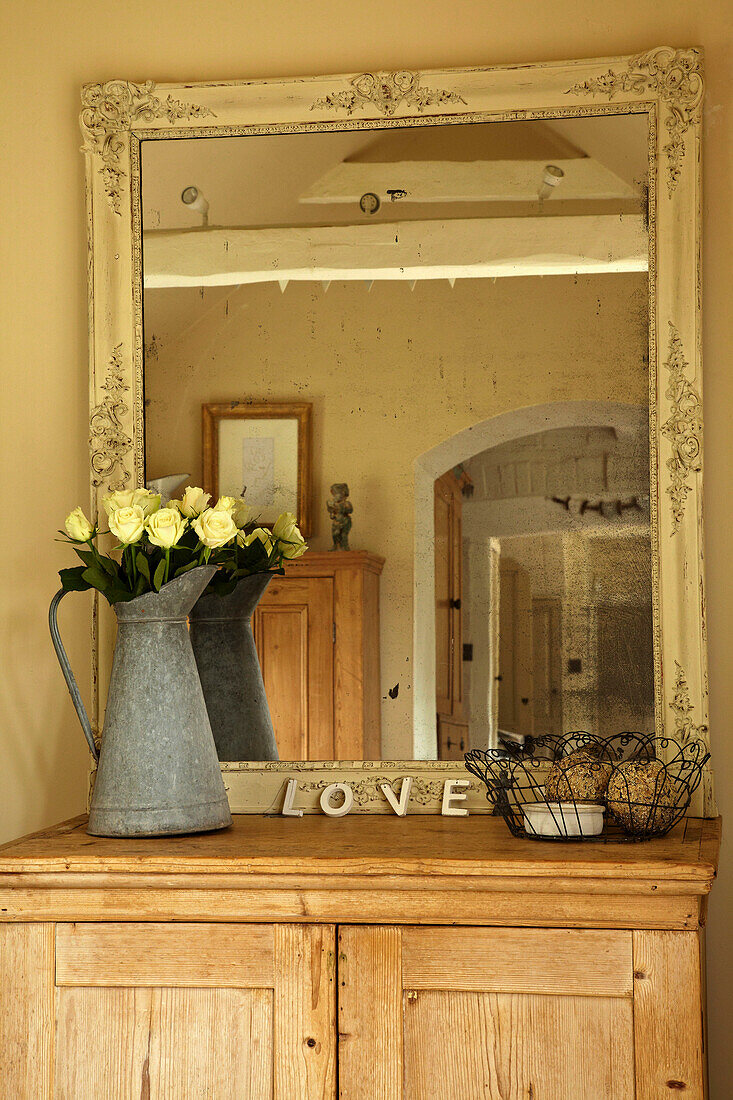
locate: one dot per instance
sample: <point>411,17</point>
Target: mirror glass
<point>457,317</point>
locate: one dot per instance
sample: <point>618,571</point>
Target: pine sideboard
<point>368,958</point>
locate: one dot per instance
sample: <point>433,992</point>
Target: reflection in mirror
<point>556,582</point>
<point>463,312</point>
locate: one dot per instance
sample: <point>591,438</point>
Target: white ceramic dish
<point>563,819</point>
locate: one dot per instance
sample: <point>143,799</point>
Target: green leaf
<point>159,574</point>
<point>141,584</point>
<point>118,595</point>
<point>142,564</point>
<point>96,577</point>
<point>86,555</point>
<point>185,568</point>
<point>108,565</point>
<point>222,587</point>
<point>72,580</point>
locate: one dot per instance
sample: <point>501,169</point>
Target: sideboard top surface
<point>371,846</point>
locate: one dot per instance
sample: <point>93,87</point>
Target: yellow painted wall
<point>391,373</point>
<point>46,51</point>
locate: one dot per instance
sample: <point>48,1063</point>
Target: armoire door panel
<point>160,1043</point>
<point>448,545</point>
<point>370,1013</point>
<point>27,1010</point>
<point>264,1030</point>
<point>452,739</point>
<point>443,587</point>
<point>547,666</point>
<point>503,1014</point>
<point>511,1046</point>
<point>515,649</point>
<point>456,603</point>
<point>151,954</point>
<point>294,635</point>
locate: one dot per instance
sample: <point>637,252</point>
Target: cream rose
<point>260,534</point>
<point>78,526</point>
<point>165,527</point>
<point>128,524</point>
<point>122,498</point>
<point>235,506</point>
<point>148,501</point>
<point>193,503</point>
<point>286,531</point>
<point>241,512</point>
<point>215,528</point>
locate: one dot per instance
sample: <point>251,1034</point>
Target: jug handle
<point>69,675</point>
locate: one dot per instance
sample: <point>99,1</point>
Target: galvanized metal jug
<point>224,647</point>
<point>158,773</point>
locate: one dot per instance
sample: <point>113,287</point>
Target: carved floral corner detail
<point>386,92</point>
<point>108,110</point>
<point>676,77</point>
<point>683,427</point>
<point>108,441</point>
<point>685,727</point>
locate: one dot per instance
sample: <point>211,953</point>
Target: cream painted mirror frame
<point>664,83</point>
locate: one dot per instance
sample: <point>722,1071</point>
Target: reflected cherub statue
<point>340,509</point>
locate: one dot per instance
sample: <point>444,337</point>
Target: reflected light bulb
<point>551,177</point>
<point>194,200</point>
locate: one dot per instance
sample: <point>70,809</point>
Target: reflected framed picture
<point>260,450</point>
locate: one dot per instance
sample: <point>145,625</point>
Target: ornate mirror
<point>470,296</point>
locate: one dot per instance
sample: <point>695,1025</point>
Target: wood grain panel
<point>443,578</point>
<point>282,644</point>
<point>294,634</point>
<point>216,955</point>
<point>375,846</point>
<point>157,1044</point>
<point>668,1023</point>
<point>356,664</point>
<point>503,1046</point>
<point>370,1014</point>
<point>26,1010</point>
<point>447,515</point>
<point>346,742</point>
<point>509,960</point>
<point>305,1012</point>
<point>336,900</point>
<point>356,670</point>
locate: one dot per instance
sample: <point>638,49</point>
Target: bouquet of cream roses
<point>157,544</point>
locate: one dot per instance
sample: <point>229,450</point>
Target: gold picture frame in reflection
<point>260,450</point>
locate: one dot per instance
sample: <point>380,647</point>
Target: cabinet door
<point>547,666</point>
<point>501,1014</point>
<point>515,648</point>
<point>448,598</point>
<point>294,633</point>
<point>172,1012</point>
<point>443,594</point>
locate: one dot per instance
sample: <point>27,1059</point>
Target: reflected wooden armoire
<point>317,635</point>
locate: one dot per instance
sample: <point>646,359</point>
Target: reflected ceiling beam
<point>461,248</point>
<point>466,181</point>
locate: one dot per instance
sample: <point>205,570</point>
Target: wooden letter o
<point>337,811</point>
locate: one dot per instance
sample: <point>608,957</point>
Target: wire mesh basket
<point>560,787</point>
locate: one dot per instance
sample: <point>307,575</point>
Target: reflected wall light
<point>551,177</point>
<point>194,200</point>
